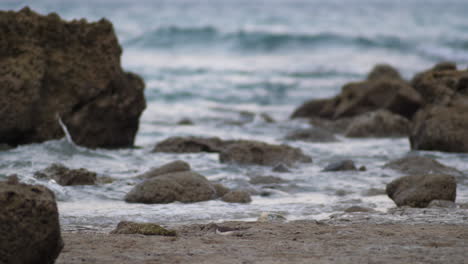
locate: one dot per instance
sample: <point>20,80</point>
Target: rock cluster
<point>66,177</point>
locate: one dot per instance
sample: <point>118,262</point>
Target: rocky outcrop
<point>189,145</point>
<point>66,177</point>
<point>259,153</point>
<point>420,190</point>
<point>381,123</point>
<point>147,229</point>
<point>341,165</point>
<point>383,89</point>
<point>52,69</point>
<point>421,165</point>
<point>442,128</point>
<point>171,167</point>
<point>237,197</point>
<point>29,224</point>
<point>315,134</point>
<point>185,187</point>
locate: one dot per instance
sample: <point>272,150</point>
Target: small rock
<point>189,145</point>
<point>221,190</point>
<point>362,168</point>
<point>281,168</point>
<point>147,229</point>
<point>13,179</point>
<point>271,218</point>
<point>445,66</point>
<point>266,180</point>
<point>374,192</point>
<point>315,134</point>
<point>67,177</point>
<point>185,122</point>
<point>171,167</point>
<point>382,71</point>
<point>441,204</point>
<point>381,123</point>
<point>342,165</point>
<point>421,165</point>
<point>359,209</point>
<point>267,118</point>
<point>420,190</point>
<point>237,197</point>
<point>342,192</point>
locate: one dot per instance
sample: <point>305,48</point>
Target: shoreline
<point>292,242</point>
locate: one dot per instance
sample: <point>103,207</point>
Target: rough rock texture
<point>185,186</point>
<point>315,134</point>
<point>237,197</point>
<point>421,165</point>
<point>175,166</point>
<point>260,153</point>
<point>381,123</point>
<point>420,190</point>
<point>147,229</point>
<point>384,89</point>
<point>29,224</point>
<point>189,145</point>
<point>441,128</point>
<point>51,68</point>
<point>342,165</point>
<point>65,176</point>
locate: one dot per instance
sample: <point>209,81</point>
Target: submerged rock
<point>66,177</point>
<point>421,165</point>
<point>185,186</point>
<point>260,153</point>
<point>266,180</point>
<point>342,165</point>
<point>189,145</point>
<point>171,167</point>
<point>55,70</point>
<point>420,190</point>
<point>147,229</point>
<point>281,168</point>
<point>29,224</point>
<point>185,122</point>
<point>381,123</point>
<point>358,209</point>
<point>315,134</point>
<point>237,197</point>
<point>441,128</point>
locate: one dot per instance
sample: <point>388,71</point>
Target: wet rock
<point>185,122</point>
<point>147,229</point>
<point>441,128</point>
<point>189,145</point>
<point>185,186</point>
<point>420,190</point>
<point>359,209</point>
<point>342,165</point>
<point>53,69</point>
<point>171,167</point>
<point>4,147</point>
<point>315,134</point>
<point>336,126</point>
<point>281,168</point>
<point>374,192</point>
<point>381,123</point>
<point>383,71</point>
<point>384,89</point>
<point>342,192</point>
<point>271,218</point>
<point>421,165</point>
<point>267,118</point>
<point>237,197</point>
<point>260,153</point>
<point>220,189</point>
<point>441,204</point>
<point>29,224</point>
<point>362,168</point>
<point>66,177</point>
<point>266,180</point>
<point>445,66</point>
<point>104,179</point>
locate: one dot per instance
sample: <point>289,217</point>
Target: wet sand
<point>293,242</point>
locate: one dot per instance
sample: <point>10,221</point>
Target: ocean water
<point>210,60</point>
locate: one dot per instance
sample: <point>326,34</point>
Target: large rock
<point>65,176</point>
<point>171,167</point>
<point>420,190</point>
<point>189,145</point>
<point>52,69</point>
<point>259,153</point>
<point>381,123</point>
<point>442,128</point>
<point>29,224</point>
<point>383,89</point>
<point>185,186</point>
<point>421,165</point>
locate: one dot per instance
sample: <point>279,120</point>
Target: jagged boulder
<point>260,153</point>
<point>52,69</point>
<point>381,123</point>
<point>29,224</point>
<point>185,186</point>
<point>442,128</point>
<point>420,190</point>
<point>421,165</point>
<point>66,177</point>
